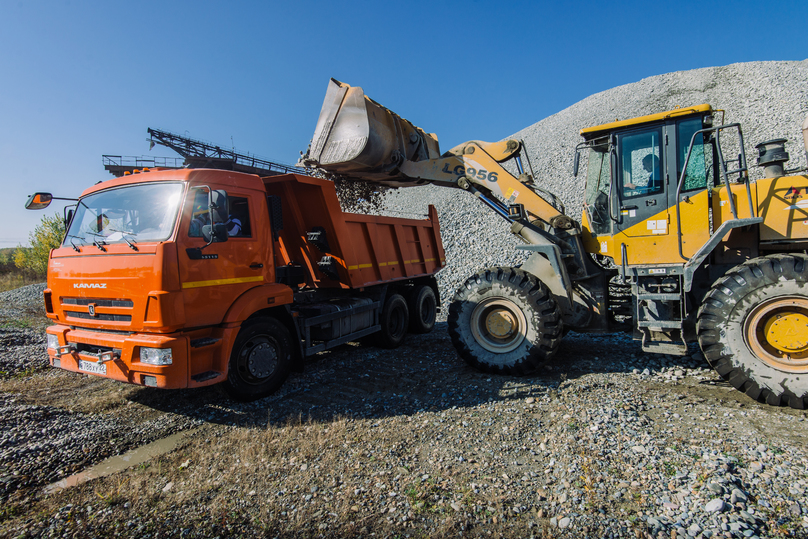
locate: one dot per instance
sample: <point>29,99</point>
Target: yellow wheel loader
<point>675,242</point>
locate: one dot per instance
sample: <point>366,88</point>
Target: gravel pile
<point>769,99</point>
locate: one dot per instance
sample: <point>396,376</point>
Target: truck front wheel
<point>504,321</point>
<point>753,329</point>
<point>260,360</point>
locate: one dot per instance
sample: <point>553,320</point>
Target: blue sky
<point>80,79</point>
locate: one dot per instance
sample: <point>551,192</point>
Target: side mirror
<point>219,207</point>
<point>38,201</point>
<point>68,217</point>
<point>215,234</point>
<point>576,164</point>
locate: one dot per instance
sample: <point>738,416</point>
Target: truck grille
<point>100,316</point>
<point>88,309</point>
<point>99,302</point>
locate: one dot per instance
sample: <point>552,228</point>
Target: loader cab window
<point>699,163</point>
<point>598,184</point>
<point>640,167</point>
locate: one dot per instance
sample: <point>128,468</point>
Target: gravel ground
<point>605,441</point>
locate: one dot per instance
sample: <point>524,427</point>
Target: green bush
<point>46,236</point>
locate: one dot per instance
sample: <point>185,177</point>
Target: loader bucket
<point>359,138</point>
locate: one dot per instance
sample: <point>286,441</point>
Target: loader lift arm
<point>359,139</point>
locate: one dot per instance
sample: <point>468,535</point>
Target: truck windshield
<point>131,214</point>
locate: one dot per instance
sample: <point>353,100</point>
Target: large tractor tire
<point>423,306</point>
<point>753,329</point>
<point>505,321</point>
<point>260,360</point>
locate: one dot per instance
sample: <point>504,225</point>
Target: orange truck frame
<point>145,290</point>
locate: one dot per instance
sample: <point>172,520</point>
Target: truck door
<point>641,186</point>
<point>212,282</point>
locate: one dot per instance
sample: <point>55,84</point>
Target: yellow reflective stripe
<point>362,266</point>
<point>214,282</point>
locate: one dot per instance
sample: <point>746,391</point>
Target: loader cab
<point>632,175</point>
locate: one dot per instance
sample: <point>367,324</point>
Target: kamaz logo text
<point>89,285</point>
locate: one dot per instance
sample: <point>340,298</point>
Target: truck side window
<point>696,175</point>
<point>640,167</point>
<point>239,223</point>
<point>200,215</point>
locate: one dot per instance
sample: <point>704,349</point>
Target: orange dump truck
<point>187,278</point>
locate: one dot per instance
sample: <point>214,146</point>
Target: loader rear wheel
<point>753,329</point>
<point>505,321</point>
<point>394,321</point>
<point>260,360</point>
<point>423,306</point>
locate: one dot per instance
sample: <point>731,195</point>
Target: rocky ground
<point>603,442</point>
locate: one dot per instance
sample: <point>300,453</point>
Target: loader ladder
<point>660,311</point>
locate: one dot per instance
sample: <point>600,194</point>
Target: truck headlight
<point>155,356</point>
<point>53,341</point>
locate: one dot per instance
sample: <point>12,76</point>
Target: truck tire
<point>423,308</point>
<point>260,360</point>
<point>505,321</point>
<point>394,321</point>
<point>753,329</point>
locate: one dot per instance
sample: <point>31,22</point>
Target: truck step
<point>207,375</point>
<point>205,341</point>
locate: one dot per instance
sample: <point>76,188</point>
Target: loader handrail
<point>741,170</point>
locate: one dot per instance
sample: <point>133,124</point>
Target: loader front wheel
<point>504,321</point>
<point>260,360</point>
<point>753,329</point>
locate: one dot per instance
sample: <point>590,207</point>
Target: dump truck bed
<point>346,250</point>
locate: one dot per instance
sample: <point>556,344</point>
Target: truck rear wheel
<point>394,321</point>
<point>423,306</point>
<point>753,329</point>
<point>504,321</point>
<point>260,360</point>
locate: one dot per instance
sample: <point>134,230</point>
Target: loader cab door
<point>641,183</point>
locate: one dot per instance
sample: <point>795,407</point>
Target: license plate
<point>95,368</point>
